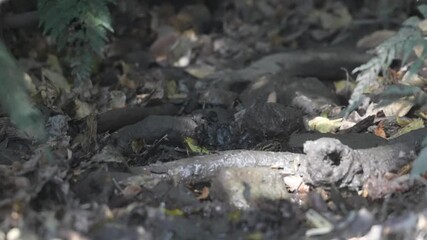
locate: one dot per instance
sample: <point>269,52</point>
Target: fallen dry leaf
<point>374,39</point>
<point>131,190</point>
<point>83,109</point>
<point>296,183</point>
<point>413,125</point>
<point>117,99</point>
<point>56,79</point>
<point>398,108</point>
<point>379,130</point>
<point>204,194</point>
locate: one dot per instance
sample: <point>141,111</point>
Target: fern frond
<point>402,44</point>
<point>399,91</point>
<point>80,26</point>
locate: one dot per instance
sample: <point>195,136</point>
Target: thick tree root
<point>326,162</point>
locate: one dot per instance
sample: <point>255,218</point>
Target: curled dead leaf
<point>204,194</point>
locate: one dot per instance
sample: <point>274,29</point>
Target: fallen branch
<point>326,162</point>
<point>204,167</point>
<point>155,127</point>
<point>118,118</point>
<point>324,65</point>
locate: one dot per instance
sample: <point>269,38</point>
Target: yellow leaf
<point>170,88</point>
<point>193,147</point>
<point>174,212</point>
<point>422,114</point>
<point>344,85</point>
<point>324,125</point>
<point>414,125</point>
<point>255,236</point>
<point>403,121</point>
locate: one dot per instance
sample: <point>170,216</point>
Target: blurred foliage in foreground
<point>15,100</point>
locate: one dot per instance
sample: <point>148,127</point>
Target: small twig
<point>363,22</point>
<point>118,186</point>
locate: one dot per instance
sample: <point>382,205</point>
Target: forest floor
<point>217,121</point>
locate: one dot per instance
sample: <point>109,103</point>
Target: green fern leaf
<point>399,46</point>
<point>80,26</point>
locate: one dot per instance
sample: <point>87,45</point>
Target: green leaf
<point>417,65</point>
<point>399,91</point>
<point>419,166</point>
